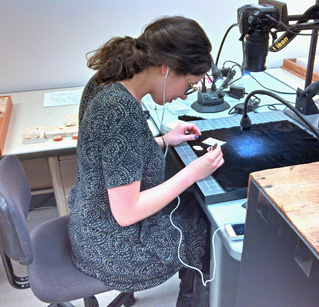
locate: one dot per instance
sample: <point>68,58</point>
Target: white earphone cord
<point>178,203</point>
<point>161,122</point>
<point>179,246</point>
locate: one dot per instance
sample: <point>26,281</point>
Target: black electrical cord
<point>209,78</point>
<point>235,81</point>
<point>269,89</point>
<point>223,41</point>
<point>229,77</point>
<point>285,27</point>
<point>233,62</point>
<point>231,71</point>
<point>312,10</point>
<point>272,106</point>
<point>246,123</point>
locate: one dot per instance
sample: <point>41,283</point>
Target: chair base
<point>90,302</point>
<point>126,299</point>
<point>66,304</point>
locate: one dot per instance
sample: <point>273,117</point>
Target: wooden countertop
<point>295,192</point>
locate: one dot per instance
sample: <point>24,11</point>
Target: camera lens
<point>255,51</point>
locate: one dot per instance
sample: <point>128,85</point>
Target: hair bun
<point>137,43</point>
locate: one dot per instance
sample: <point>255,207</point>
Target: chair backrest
<point>15,199</point>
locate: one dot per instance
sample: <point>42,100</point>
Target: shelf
<point>293,67</point>
<point>5,120</point>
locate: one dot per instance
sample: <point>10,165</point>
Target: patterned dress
<point>116,147</point>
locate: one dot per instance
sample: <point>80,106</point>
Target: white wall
<point>44,42</point>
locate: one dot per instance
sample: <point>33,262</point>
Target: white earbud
<point>167,72</point>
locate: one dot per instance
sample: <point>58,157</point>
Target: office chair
<point>46,252</point>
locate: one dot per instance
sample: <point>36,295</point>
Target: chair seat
<point>52,274</point>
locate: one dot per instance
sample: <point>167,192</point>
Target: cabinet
<point>280,265</point>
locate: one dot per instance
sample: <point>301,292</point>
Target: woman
<point>120,205</point>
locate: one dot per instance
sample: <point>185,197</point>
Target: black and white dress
<point>116,147</point>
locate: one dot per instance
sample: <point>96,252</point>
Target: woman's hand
<point>207,164</point>
<point>182,133</point>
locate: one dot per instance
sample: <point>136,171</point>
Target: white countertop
<point>28,112</point>
<point>288,78</point>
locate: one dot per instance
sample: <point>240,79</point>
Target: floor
<point>164,295</point>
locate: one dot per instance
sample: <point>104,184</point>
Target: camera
<point>255,22</point>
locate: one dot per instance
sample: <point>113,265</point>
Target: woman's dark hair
<point>178,42</point>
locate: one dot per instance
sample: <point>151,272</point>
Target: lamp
<point>245,122</point>
<point>216,73</point>
<point>211,100</point>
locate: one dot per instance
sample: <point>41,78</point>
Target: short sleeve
<point>123,143</point>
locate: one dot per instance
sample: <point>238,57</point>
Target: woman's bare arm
<point>129,205</point>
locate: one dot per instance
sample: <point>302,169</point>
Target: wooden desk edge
<point>294,190</point>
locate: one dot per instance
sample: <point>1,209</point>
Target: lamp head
<point>216,73</point>
<point>245,123</point>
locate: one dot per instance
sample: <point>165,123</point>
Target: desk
<point>28,111</point>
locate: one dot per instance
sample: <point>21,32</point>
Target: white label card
<point>212,142</point>
<point>62,98</point>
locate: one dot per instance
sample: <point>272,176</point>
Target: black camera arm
<point>256,22</point>
<point>293,30</point>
